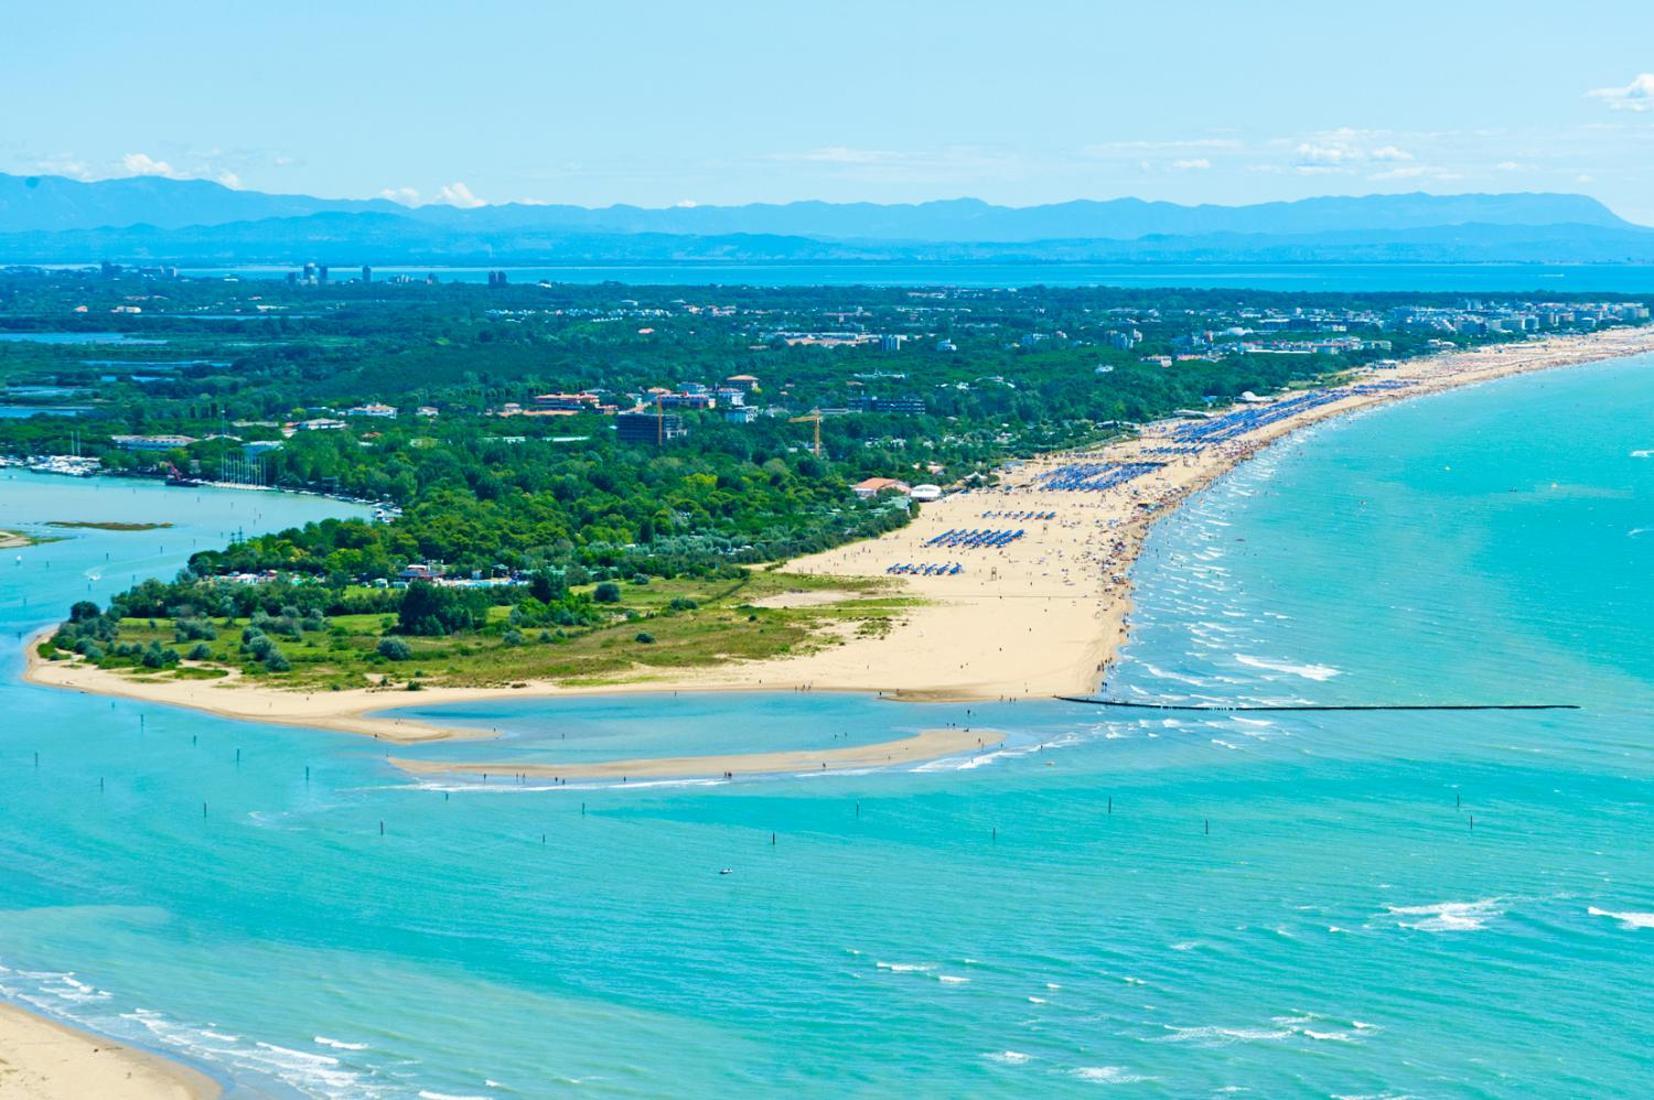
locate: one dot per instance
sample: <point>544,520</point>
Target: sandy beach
<point>43,1060</point>
<point>1041,616</point>
<point>926,745</point>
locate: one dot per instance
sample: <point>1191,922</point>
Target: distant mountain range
<point>51,219</point>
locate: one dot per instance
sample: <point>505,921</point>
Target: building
<point>258,448</point>
<point>746,382</point>
<point>729,396</point>
<point>151,442</point>
<point>873,486</point>
<point>686,401</point>
<point>367,274</point>
<point>567,402</point>
<point>740,414</point>
<point>647,426</point>
<point>890,342</point>
<point>926,493</point>
<point>374,410</point>
<point>870,404</point>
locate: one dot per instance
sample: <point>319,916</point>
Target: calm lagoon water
<point>1163,904</point>
<point>77,338</point>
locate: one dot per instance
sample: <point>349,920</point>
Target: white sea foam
<point>1108,1075</point>
<point>1008,1057</point>
<point>1318,673</point>
<point>1224,1036</point>
<point>1162,674</point>
<point>338,1044</point>
<point>1627,919</point>
<point>951,979</point>
<point>1448,916</point>
<point>1647,453</point>
<point>906,968</point>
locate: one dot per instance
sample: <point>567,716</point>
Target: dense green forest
<point>411,393</point>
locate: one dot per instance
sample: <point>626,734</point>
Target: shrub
<point>607,592</point>
<point>200,652</point>
<point>432,611</point>
<point>394,649</point>
<point>645,638</point>
<point>276,660</point>
<point>156,657</point>
<point>512,638</point>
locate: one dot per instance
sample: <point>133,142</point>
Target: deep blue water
<point>1281,905</point>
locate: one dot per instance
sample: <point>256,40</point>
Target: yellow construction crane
<point>814,417</point>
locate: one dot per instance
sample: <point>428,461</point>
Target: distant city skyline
<point>657,104</point>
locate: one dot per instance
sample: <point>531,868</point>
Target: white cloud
<point>841,154</point>
<point>450,194</point>
<point>1312,153</point>
<point>1415,172</point>
<point>1192,164</point>
<point>1508,166</point>
<point>951,164</point>
<point>1635,96</point>
<point>65,165</point>
<point>230,179</point>
<point>142,164</point>
<point>457,194</point>
<point>1341,150</point>
<point>1176,145</point>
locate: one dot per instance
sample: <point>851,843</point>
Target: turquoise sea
<point>1147,904</point>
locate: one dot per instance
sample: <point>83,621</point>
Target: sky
<point>711,102</point>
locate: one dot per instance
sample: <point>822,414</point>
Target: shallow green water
<point>1157,905</point>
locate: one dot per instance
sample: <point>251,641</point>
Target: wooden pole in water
<point>203,809</point>
<point>1111,805</point>
<point>772,840</point>
<point>1208,822</point>
<point>381,828</point>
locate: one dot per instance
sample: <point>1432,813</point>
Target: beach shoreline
<point>1042,616</point>
<point>41,1059</point>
